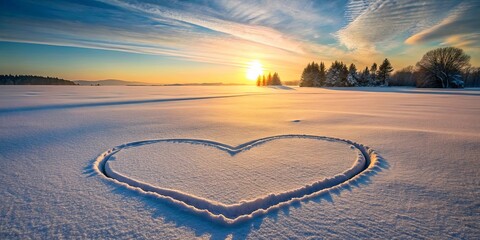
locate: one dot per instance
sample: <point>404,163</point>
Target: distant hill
<point>40,80</point>
<point>32,80</point>
<point>204,84</point>
<point>109,82</point>
<point>116,82</point>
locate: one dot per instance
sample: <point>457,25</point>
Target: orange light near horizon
<point>254,70</point>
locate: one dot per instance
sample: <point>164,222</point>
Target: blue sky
<point>205,41</point>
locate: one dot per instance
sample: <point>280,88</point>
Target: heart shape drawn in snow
<point>229,214</point>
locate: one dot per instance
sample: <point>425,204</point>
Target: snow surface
<point>272,167</point>
<point>366,162</point>
<point>426,186</point>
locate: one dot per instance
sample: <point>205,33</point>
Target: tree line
<point>339,75</point>
<point>446,67</point>
<point>270,80</point>
<point>32,80</point>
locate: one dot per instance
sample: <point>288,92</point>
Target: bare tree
<point>403,77</point>
<point>443,67</point>
<point>471,77</point>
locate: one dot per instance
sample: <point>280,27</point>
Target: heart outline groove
<point>230,214</point>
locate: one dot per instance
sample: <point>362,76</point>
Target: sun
<point>254,69</point>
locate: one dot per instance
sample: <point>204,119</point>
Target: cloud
<point>228,33</point>
<point>381,24</point>
<point>470,41</point>
<point>287,34</point>
<point>460,28</point>
<point>255,33</point>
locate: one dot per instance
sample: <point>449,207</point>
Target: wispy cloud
<point>460,28</point>
<point>377,25</point>
<point>222,32</point>
<point>254,33</point>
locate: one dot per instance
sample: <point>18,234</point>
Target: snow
<point>262,168</point>
<point>424,185</point>
<point>244,175</point>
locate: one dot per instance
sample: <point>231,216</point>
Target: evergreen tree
<point>276,79</point>
<point>304,79</point>
<point>269,79</point>
<point>337,75</point>
<point>333,74</point>
<point>310,76</point>
<point>315,75</point>
<point>352,78</point>
<point>364,77</point>
<point>322,75</point>
<point>373,75</point>
<point>343,75</point>
<point>32,80</point>
<point>384,71</point>
<point>352,68</point>
<point>264,82</point>
<point>259,81</point>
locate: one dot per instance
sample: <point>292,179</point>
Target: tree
<point>352,78</point>
<point>373,75</point>
<point>310,75</point>
<point>343,75</point>
<point>403,77</point>
<point>337,75</point>
<point>322,75</point>
<point>363,77</point>
<point>471,77</point>
<point>32,80</point>
<point>276,79</point>
<point>383,72</point>
<point>269,79</point>
<point>442,67</point>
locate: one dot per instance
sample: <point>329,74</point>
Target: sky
<point>193,41</point>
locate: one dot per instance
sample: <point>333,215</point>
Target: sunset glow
<point>162,42</point>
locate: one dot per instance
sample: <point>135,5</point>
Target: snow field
<point>425,186</point>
